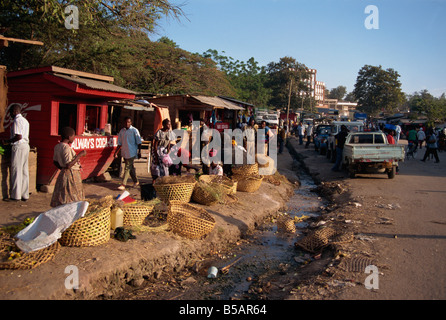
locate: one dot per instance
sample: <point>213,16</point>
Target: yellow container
<point>116,218</point>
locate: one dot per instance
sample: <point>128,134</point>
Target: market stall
<point>52,98</point>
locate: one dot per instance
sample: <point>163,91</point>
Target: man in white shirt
<point>19,140</point>
<point>129,142</point>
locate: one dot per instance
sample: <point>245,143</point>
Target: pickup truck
<point>370,152</point>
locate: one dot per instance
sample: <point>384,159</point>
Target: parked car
<point>370,152</point>
<point>321,138</point>
<point>352,126</point>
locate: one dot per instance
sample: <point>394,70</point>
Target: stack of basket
<point>247,177</point>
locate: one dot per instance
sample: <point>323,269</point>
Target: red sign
<point>220,126</point>
<point>90,143</point>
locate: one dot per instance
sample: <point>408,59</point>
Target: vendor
<point>164,140</point>
<point>68,186</point>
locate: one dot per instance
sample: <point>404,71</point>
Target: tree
<point>378,90</point>
<point>424,104</point>
<point>338,93</point>
<point>247,78</point>
<point>350,97</point>
<point>288,80</point>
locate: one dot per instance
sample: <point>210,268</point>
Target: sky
<point>336,37</point>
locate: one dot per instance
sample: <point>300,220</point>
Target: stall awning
<point>132,105</point>
<point>217,102</point>
<point>95,84</point>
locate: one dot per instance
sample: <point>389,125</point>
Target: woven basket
<point>189,221</point>
<point>135,214</point>
<point>229,185</point>
<point>174,192</point>
<point>248,183</point>
<point>317,240</point>
<point>27,260</point>
<point>246,169</point>
<point>203,195</point>
<point>91,230</point>
<point>286,224</point>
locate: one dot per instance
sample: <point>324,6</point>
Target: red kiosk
<point>54,97</point>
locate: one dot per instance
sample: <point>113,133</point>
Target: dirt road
<point>399,223</point>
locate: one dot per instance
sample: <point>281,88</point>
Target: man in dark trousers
<point>340,141</point>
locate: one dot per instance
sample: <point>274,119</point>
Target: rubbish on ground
<point>212,272</point>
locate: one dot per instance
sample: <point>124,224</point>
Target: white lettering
<point>72,281</point>
<point>372,281</point>
<point>72,21</point>
<point>372,21</point>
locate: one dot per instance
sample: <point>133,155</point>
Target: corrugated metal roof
<point>217,102</point>
<point>95,84</point>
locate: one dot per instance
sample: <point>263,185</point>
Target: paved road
<point>416,257</point>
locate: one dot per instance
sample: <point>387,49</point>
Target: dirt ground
<point>398,226</point>
<point>106,269</point>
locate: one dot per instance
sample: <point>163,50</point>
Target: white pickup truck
<point>369,152</point>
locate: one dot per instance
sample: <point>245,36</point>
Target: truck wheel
<point>391,173</point>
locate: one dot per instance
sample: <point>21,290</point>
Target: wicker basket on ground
<point>317,240</point>
<point>136,213</point>
<point>25,261</point>
<point>189,221</point>
<point>208,194</point>
<point>248,183</point>
<point>286,224</point>
<point>174,189</point>
<point>246,169</point>
<point>224,182</point>
<point>91,230</point>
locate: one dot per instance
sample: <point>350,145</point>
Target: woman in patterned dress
<point>68,186</point>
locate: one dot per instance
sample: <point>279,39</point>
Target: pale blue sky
<point>328,35</point>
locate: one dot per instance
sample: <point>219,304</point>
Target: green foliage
<point>424,104</point>
<point>338,93</point>
<point>378,90</point>
<point>247,78</point>
<point>287,81</point>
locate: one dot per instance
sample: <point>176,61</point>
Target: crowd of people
<point>68,187</point>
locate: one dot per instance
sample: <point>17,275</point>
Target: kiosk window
<point>92,117</point>
<point>67,116</point>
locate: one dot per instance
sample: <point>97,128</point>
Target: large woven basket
<point>174,192</point>
<point>229,185</point>
<point>246,169</point>
<point>26,260</point>
<point>248,183</point>
<point>135,214</point>
<point>189,221</point>
<point>88,231</point>
<point>207,194</point>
